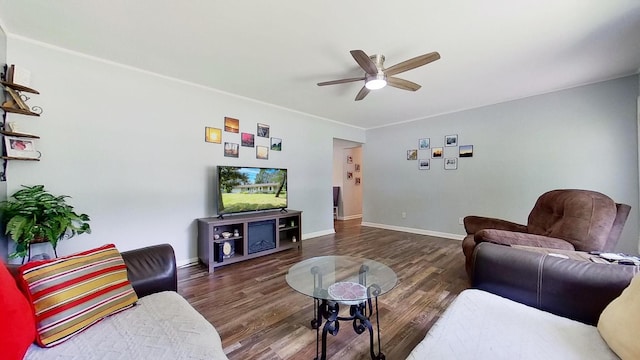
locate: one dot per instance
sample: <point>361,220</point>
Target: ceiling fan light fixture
<point>375,82</point>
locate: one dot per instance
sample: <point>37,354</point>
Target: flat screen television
<point>242,189</point>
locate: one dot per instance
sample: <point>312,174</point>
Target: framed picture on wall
<point>349,175</point>
<point>247,139</point>
<point>450,163</point>
<point>276,144</point>
<point>349,159</point>
<point>263,130</point>
<point>451,140</point>
<point>262,152</point>
<point>231,149</point>
<point>436,152</point>
<point>423,164</point>
<point>357,181</point>
<point>231,125</point>
<point>412,154</point>
<point>466,151</point>
<point>213,135</point>
<point>424,143</point>
<point>357,167</point>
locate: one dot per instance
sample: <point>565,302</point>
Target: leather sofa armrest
<point>152,269</point>
<point>473,224</point>
<point>578,290</point>
<point>516,238</point>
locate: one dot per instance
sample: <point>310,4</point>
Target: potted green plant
<point>33,215</point>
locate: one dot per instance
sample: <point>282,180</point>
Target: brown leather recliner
<point>564,219</point>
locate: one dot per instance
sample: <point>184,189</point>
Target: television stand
<point>250,235</point>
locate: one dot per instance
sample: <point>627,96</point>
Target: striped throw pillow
<point>71,293</point>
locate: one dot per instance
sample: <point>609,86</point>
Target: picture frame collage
<point>353,168</point>
<point>260,140</point>
<point>450,152</point>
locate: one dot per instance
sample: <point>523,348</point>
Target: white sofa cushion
<point>481,325</point>
<point>161,326</point>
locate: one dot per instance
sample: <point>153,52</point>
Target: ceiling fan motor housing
<point>379,80</point>
<point>378,60</point>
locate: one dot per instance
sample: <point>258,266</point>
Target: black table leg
<point>331,326</point>
<point>320,312</point>
<point>316,322</point>
<point>361,322</point>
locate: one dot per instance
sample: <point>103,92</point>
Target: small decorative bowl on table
<point>348,292</point>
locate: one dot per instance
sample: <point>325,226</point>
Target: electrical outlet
<point>460,221</point>
<point>404,215</point>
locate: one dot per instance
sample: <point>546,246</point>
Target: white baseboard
<point>415,231</point>
<point>308,236</point>
<point>186,262</point>
<point>350,217</point>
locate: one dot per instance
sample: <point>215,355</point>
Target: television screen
<point>243,189</point>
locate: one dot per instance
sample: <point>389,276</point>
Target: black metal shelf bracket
<point>3,174</point>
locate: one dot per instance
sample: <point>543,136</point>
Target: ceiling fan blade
<point>402,84</point>
<point>341,81</point>
<point>363,92</point>
<point>412,63</point>
<point>364,61</point>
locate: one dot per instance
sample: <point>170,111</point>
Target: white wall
<point>129,147</point>
<point>585,137</point>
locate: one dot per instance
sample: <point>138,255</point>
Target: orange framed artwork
<point>231,125</point>
<point>213,135</point>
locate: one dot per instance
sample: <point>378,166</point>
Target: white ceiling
<point>276,51</point>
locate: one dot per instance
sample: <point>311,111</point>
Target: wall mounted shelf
<point>19,158</point>
<point>10,133</point>
<point>13,93</point>
<point>19,111</point>
<point>19,87</point>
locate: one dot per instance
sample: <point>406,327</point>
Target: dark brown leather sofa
<point>151,269</point>
<point>577,290</point>
<point>527,305</point>
<point>566,219</point>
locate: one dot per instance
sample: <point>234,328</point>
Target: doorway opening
<point>348,177</point>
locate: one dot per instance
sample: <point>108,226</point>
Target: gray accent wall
<point>585,137</point>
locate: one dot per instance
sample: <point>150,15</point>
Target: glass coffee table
<point>343,280</point>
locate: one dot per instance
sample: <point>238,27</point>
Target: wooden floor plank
<point>260,317</point>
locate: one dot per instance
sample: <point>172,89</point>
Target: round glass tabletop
<point>341,278</point>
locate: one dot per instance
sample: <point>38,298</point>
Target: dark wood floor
<point>259,316</point>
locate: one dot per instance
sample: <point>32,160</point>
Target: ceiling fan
<point>376,76</point>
